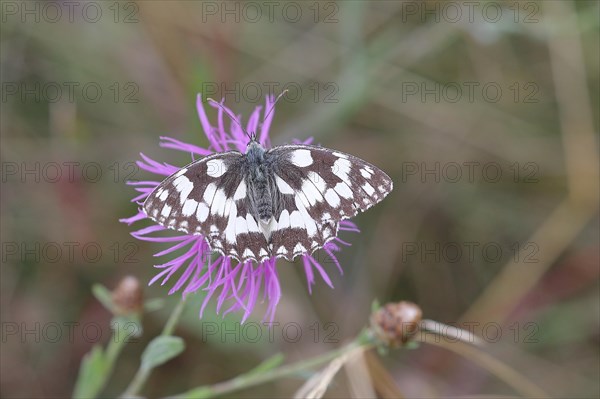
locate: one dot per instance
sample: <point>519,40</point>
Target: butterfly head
<point>254,149</point>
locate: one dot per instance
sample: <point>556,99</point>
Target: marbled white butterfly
<point>282,202</point>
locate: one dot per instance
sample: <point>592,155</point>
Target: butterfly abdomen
<point>259,190</point>
<point>264,204</point>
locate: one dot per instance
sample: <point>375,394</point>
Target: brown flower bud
<point>395,323</point>
<point>128,296</point>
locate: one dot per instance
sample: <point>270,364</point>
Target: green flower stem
<point>251,379</point>
<point>89,386</point>
<point>143,373</point>
<point>113,350</point>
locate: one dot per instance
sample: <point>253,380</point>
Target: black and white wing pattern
<point>284,202</point>
<point>319,187</point>
<point>208,197</point>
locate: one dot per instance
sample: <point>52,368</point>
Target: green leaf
<point>268,364</point>
<point>104,296</point>
<point>197,393</point>
<point>154,304</point>
<point>160,350</point>
<point>126,327</point>
<point>91,374</point>
<point>375,306</point>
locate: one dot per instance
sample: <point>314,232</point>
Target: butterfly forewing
<point>321,187</point>
<point>208,197</point>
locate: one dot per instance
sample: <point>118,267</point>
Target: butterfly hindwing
<point>209,197</point>
<point>321,187</point>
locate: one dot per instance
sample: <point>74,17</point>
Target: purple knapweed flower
<point>240,284</point>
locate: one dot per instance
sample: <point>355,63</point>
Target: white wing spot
<point>252,225</point>
<point>310,191</point>
<point>368,188</point>
<point>332,198</point>
<point>299,248</point>
<point>284,220</point>
<point>240,192</point>
<point>219,203</point>
<point>163,196</point>
<point>309,223</point>
<point>189,207</point>
<point>301,158</point>
<point>341,168</point>
<point>180,172</point>
<point>343,190</point>
<point>241,225</point>
<point>202,212</point>
<point>166,211</point>
<point>184,186</point>
<point>231,229</point>
<point>317,180</point>
<point>296,220</point>
<point>209,193</point>
<point>283,186</point>
<point>215,168</point>
<point>340,155</point>
<point>365,173</point>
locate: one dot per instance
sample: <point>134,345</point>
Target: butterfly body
<point>282,202</point>
<point>260,180</point>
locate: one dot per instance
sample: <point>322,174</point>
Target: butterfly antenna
<point>273,106</point>
<point>230,114</point>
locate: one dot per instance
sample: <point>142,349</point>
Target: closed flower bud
<point>128,296</point>
<point>395,323</point>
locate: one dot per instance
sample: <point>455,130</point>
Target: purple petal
<point>168,142</point>
<point>208,129</point>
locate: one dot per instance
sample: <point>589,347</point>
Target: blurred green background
<point>485,114</point>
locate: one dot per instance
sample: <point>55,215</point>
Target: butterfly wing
<point>318,188</point>
<point>208,197</point>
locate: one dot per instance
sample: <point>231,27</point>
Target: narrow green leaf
<point>197,393</point>
<point>375,305</point>
<point>160,350</point>
<point>104,296</point>
<point>268,364</point>
<point>154,304</point>
<point>91,374</point>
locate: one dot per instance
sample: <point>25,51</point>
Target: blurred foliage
<point>354,66</point>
